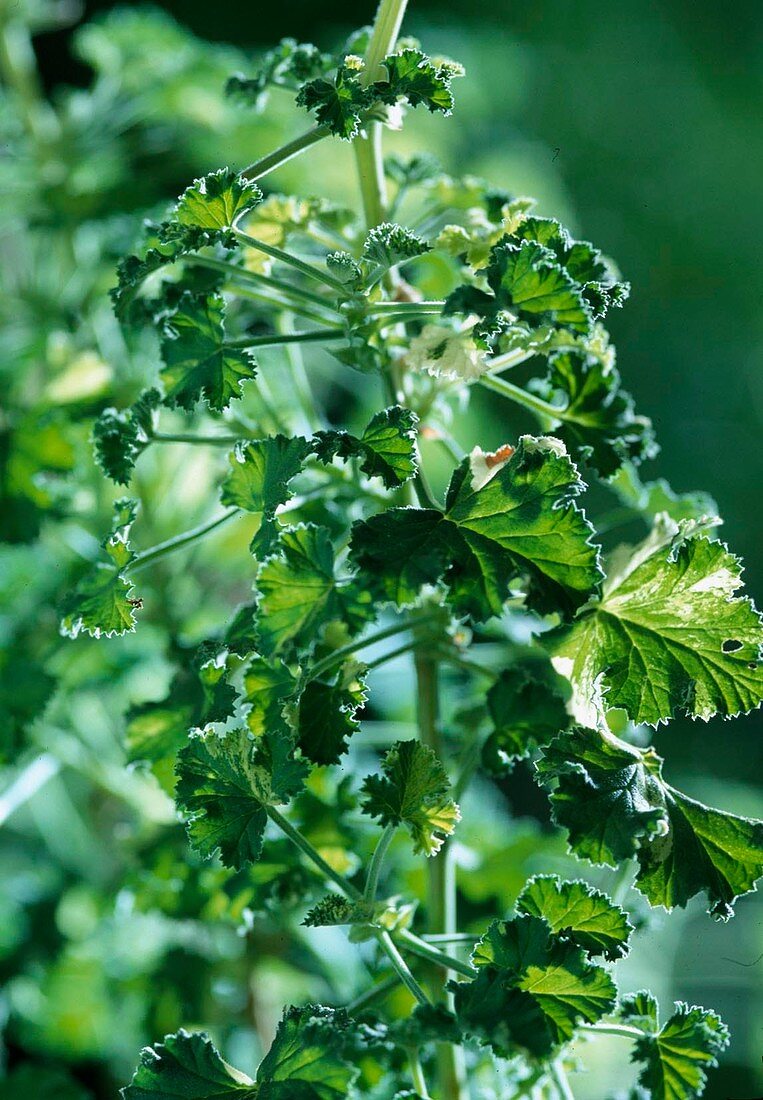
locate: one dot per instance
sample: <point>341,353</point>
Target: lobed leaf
<point>413,791</point>
<point>668,636</point>
<point>614,803</point>
<point>386,449</point>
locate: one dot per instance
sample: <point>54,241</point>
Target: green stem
<point>441,886</point>
<point>406,308</point>
<point>367,146</point>
<point>187,437</point>
<point>140,561</point>
<point>254,278</point>
<point>417,1075</point>
<point>452,937</point>
<point>286,152</point>
<point>425,950</point>
<point>333,659</point>
<point>521,397</point>
<point>313,854</point>
<point>559,1077</point>
<point>373,994</point>
<point>392,654</point>
<point>377,860</point>
<point>274,339</point>
<point>292,261</point>
<point>401,966</point>
<point>509,359</point>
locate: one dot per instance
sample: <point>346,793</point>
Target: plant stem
<point>441,891</point>
<point>393,653</point>
<point>452,937</point>
<point>292,261</point>
<point>286,152</point>
<point>406,308</point>
<point>333,659</point>
<point>521,397</point>
<point>509,359</point>
<point>401,966</point>
<point>375,866</point>
<point>367,146</point>
<point>260,281</point>
<point>373,993</point>
<point>417,1075</point>
<point>273,339</point>
<point>140,561</point>
<point>425,950</point>
<point>559,1077</point>
<point>187,437</point>
<point>313,854</point>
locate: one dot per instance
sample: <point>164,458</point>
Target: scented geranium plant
<point>567,656</point>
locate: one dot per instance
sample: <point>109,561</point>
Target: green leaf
<point>102,603</point>
<point>650,498</point>
<point>186,1066</point>
<point>338,103</point>
<point>675,1057</point>
<point>412,76</point>
<point>344,268</point>
<point>307,1059</point>
<point>413,791</point>
<point>305,1062</point>
<point>614,803</point>
<point>197,360</point>
<point>326,714</point>
<point>259,478</point>
<point>386,449</point>
<point>198,696</point>
<point>268,685</point>
<point>225,784</point>
<point>597,418</point>
<point>297,587</point>
<point>527,706</point>
<point>532,989</point>
<point>388,245</point>
<point>216,200</point>
<point>119,438</point>
<point>578,913</point>
<point>518,521</point>
<point>668,636</point>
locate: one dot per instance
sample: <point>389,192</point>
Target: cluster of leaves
<point>346,546</point>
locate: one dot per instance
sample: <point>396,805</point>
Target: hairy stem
<point>441,886</point>
<point>417,1075</point>
<point>559,1077</point>
<point>313,854</point>
<point>377,860</point>
<point>332,660</point>
<point>274,339</point>
<point>291,261</point>
<point>367,146</point>
<point>140,561</point>
<point>521,397</point>
<point>286,152</point>
<point>401,966</point>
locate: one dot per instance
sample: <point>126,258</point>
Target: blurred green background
<point>639,125</point>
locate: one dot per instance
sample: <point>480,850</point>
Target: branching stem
<point>377,861</point>
<point>269,163</point>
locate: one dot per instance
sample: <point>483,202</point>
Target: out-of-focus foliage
<point>115,932</point>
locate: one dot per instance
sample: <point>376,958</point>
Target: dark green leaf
<point>580,914</point>
<point>527,706</point>
<point>197,360</point>
<point>386,449</point>
<point>413,791</point>
<point>119,438</point>
<point>225,784</point>
<point>613,801</point>
<point>519,520</point>
<point>337,103</point>
<point>326,715</point>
